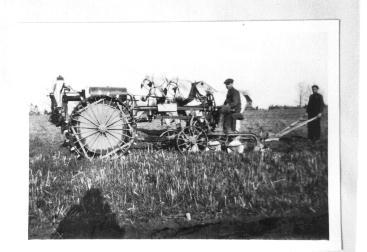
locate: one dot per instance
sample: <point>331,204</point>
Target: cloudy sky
<point>268,59</point>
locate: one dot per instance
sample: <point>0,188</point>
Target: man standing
<point>232,105</point>
<point>314,108</point>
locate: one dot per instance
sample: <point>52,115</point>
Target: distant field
<point>272,195</point>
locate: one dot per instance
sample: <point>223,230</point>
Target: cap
<point>228,81</point>
<point>59,78</point>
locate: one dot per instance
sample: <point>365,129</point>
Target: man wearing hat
<point>314,108</point>
<point>232,106</point>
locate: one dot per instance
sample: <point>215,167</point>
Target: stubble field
<point>281,193</point>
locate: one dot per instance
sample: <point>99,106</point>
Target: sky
<point>266,58</point>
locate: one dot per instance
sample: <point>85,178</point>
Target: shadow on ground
<point>91,219</point>
<point>275,228</point>
<point>269,228</point>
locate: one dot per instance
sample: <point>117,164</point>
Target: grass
<point>159,185</point>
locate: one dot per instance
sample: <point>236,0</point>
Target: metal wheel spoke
<point>108,115</point>
<point>186,144</point>
<point>89,120</point>
<point>108,140</point>
<point>86,131</point>
<point>114,123</point>
<point>80,127</point>
<point>111,114</point>
<point>91,110</point>
<point>94,154</point>
<point>90,116</point>
<point>98,113</point>
<point>94,141</point>
<point>119,129</point>
<point>88,136</point>
<point>185,136</point>
<point>80,122</point>
<point>122,134</point>
<point>191,132</point>
<point>116,150</point>
<point>114,136</point>
<point>109,118</point>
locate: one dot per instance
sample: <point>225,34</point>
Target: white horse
<point>185,93</point>
<point>149,99</point>
<point>155,94</point>
<point>193,93</point>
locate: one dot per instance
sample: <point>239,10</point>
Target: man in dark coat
<point>314,108</point>
<point>232,106</point>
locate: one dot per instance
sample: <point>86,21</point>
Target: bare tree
<point>33,110</point>
<point>304,91</point>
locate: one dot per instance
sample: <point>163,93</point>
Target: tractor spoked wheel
<point>201,123</point>
<point>100,127</point>
<point>191,139</point>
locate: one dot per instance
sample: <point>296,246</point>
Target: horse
<point>153,90</point>
<point>195,93</point>
<point>155,94</point>
<point>185,93</point>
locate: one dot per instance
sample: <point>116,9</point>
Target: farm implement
<point>292,127</point>
<point>104,121</point>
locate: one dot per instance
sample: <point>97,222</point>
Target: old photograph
<point>184,130</point>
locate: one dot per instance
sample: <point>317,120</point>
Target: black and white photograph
<point>223,131</point>
<point>193,130</point>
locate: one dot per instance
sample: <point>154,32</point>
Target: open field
<point>277,194</point>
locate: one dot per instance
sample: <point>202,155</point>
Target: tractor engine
<point>64,99</point>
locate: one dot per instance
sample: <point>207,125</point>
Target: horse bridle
<point>175,88</point>
<point>150,84</point>
<point>198,95</point>
<point>171,83</point>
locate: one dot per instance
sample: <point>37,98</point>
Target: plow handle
<point>293,126</point>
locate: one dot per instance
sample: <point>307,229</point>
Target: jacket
<point>315,104</point>
<point>233,99</point>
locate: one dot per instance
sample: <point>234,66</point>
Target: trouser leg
<point>317,130</point>
<point>314,129</point>
<point>227,121</point>
<point>65,109</point>
<point>233,124</point>
<point>310,131</point>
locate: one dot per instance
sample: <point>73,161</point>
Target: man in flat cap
<point>231,107</point>
<point>314,108</point>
